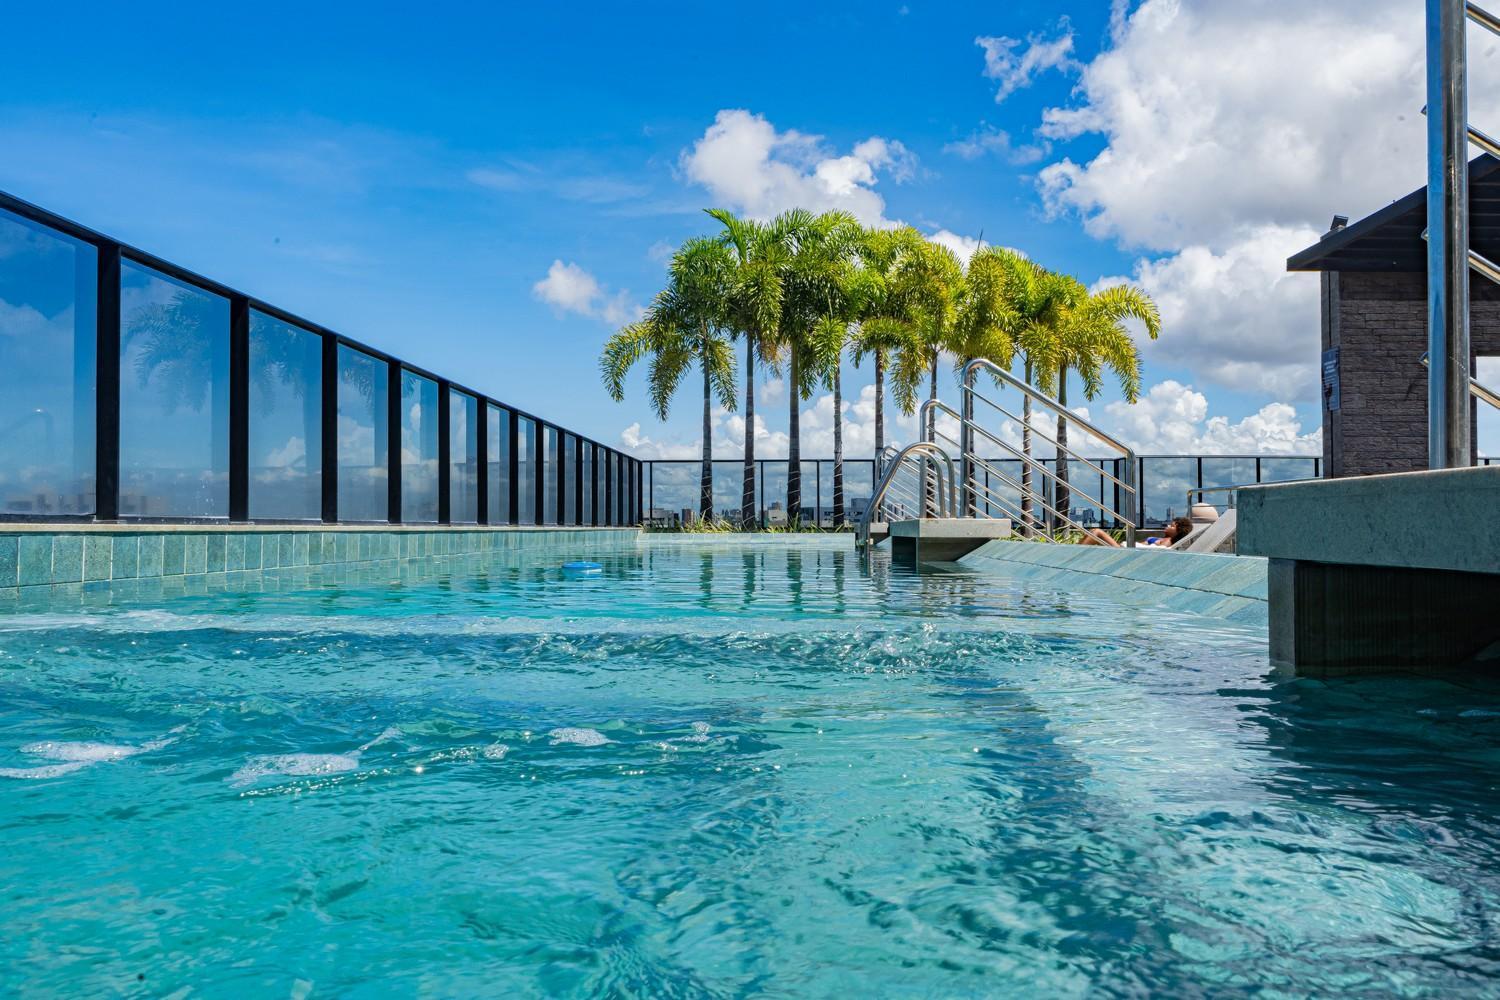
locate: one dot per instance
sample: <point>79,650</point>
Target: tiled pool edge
<point>1230,587</point>
<point>57,560</point>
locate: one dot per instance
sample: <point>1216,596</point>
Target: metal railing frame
<point>616,487</point>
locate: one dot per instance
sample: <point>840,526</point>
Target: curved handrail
<point>946,502</point>
<point>1040,397</point>
<point>1129,486</point>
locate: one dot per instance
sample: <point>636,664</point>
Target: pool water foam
<point>726,770</point>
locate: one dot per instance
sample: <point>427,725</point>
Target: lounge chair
<point>1215,537</point>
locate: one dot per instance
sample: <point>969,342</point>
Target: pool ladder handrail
<point>1477,389</point>
<point>933,494</point>
<point>970,429</point>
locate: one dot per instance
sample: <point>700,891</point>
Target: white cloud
<point>1233,132</point>
<point>1015,63</point>
<point>750,167</point>
<point>1172,419</point>
<point>1237,318</point>
<point>963,246</point>
<point>569,288</point>
<point>641,445</point>
<point>990,141</point>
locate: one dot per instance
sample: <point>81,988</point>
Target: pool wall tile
<point>127,554</point>
<point>9,553</point>
<point>34,560</point>
<point>195,555</point>
<point>67,559</point>
<point>97,554</point>
<point>106,563</point>
<point>173,558</point>
<point>1231,587</point>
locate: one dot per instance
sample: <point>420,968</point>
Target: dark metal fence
<point>134,389</point>
<point>672,487</point>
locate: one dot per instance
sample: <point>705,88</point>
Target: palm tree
<point>883,314</point>
<point>753,312</point>
<point>1034,297</point>
<point>929,280</point>
<point>1091,337</point>
<point>791,344</point>
<point>687,323</point>
<point>985,328</point>
<point>827,276</point>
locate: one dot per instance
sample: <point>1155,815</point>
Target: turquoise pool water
<point>725,770</point>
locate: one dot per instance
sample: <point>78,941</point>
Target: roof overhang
<point>1391,239</point>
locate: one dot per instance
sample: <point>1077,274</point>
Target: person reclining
<point>1172,535</point>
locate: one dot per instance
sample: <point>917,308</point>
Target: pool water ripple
<point>726,770</point>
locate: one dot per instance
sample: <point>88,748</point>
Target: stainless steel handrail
<point>1128,485</point>
<point>972,458</point>
<point>945,500</point>
<point>1482,17</point>
<point>1476,388</point>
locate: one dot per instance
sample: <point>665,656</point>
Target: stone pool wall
<point>1232,587</point>
<point>140,560</point>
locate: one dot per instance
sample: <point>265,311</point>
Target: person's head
<point>1179,529</point>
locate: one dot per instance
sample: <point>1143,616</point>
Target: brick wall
<point>1379,323</point>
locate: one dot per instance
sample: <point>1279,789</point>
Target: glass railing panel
<point>174,397</point>
<point>286,420</point>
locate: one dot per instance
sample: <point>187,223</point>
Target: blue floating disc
<point>582,568</point>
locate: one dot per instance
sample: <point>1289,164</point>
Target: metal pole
<point>1448,237</point>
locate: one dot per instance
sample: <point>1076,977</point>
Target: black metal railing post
<point>445,454</point>
<point>239,408</point>
<point>107,390</point>
<point>393,435</point>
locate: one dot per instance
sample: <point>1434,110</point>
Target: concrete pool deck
<point>1221,586</point>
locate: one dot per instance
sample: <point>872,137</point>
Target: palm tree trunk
<point>838,449</point>
<point>706,479</point>
<point>967,445</point>
<point>930,470</point>
<point>1026,507</point>
<point>793,444</point>
<point>747,498</point>
<point>879,408</point>
<point>1061,503</point>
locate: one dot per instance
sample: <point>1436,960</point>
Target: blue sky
<point>410,178</point>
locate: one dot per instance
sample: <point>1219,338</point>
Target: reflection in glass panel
<point>587,476</point>
<point>773,513</point>
<point>674,491</point>
<point>48,286</point>
<point>1165,483</point>
<point>463,458</point>
<point>607,489</point>
<point>364,437</point>
<point>525,470</point>
<point>859,486</point>
<point>729,487</point>
<point>548,465</point>
<point>286,420</point>
<point>497,427</point>
<point>419,448</point>
<point>570,479</point>
<point>621,490</point>
<point>1275,469</point>
<point>174,397</point>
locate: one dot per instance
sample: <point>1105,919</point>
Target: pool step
<point>943,539</point>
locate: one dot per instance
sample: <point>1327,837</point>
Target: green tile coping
<point>1232,587</point>
<point>40,559</point>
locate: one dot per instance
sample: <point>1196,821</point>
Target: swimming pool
<point>724,768</point>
